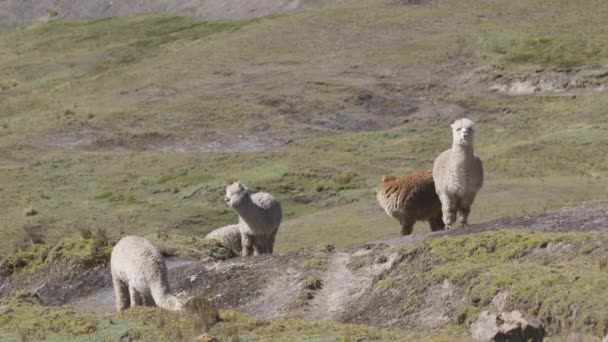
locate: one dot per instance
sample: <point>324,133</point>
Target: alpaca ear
<point>452,126</point>
<point>239,184</point>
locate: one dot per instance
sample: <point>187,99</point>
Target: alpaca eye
<point>458,129</point>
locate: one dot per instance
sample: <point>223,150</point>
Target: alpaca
<point>228,235</point>
<point>139,274</point>
<point>458,174</point>
<point>259,218</point>
<point>409,199</point>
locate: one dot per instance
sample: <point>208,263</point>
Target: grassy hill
<point>147,117</point>
<point>136,124</point>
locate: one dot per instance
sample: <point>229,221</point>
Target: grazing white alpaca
<point>139,274</point>
<point>259,218</point>
<point>458,174</point>
<point>228,235</point>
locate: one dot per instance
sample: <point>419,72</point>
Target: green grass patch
<point>190,246</point>
<point>22,314</point>
<point>520,48</point>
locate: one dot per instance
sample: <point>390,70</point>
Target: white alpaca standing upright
<point>259,218</point>
<point>228,235</point>
<point>458,174</point>
<point>139,274</point>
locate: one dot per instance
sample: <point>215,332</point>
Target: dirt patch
<point>364,111</point>
<point>102,301</point>
<point>21,12</point>
<point>340,286</point>
<point>263,286</point>
<point>541,80</point>
<point>438,306</point>
<point>89,138</point>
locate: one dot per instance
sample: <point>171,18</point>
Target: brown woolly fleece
<point>411,198</point>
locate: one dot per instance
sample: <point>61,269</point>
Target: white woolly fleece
<point>139,274</point>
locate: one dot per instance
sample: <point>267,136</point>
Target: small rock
<point>205,338</point>
<point>507,326</point>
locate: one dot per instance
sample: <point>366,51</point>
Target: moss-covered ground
<point>557,277</point>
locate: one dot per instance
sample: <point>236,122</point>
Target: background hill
<point>134,124</point>
<point>15,12</point>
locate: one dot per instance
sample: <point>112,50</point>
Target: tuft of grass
<point>277,329</point>
<point>602,263</point>
<point>521,48</point>
<point>34,234</point>
<point>205,314</point>
<point>313,283</point>
<point>84,231</point>
<point>190,246</point>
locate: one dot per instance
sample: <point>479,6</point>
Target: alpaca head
<point>386,179</point>
<point>462,132</point>
<point>235,194</point>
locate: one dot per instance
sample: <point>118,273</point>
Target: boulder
<point>507,327</point>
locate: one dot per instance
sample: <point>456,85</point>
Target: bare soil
<point>538,81</point>
<point>104,138</point>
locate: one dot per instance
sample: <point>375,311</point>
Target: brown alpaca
<point>411,198</point>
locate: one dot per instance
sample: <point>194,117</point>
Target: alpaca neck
<point>461,153</point>
<point>163,297</point>
<point>247,210</point>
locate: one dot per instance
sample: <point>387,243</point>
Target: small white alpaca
<point>458,174</point>
<point>228,235</point>
<point>259,218</point>
<point>139,274</point>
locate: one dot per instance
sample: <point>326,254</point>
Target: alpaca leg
<point>265,243</point>
<point>463,217</point>
<point>247,244</point>
<point>121,292</point>
<point>135,296</point>
<point>448,208</point>
<point>436,223</point>
<point>407,226</point>
<point>271,242</point>
<point>147,300</point>
<point>258,245</point>
<point>465,210</point>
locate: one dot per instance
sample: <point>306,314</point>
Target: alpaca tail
<point>164,299</point>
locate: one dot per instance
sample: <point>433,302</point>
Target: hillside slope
<point>431,284</point>
<point>145,118</point>
<point>16,12</point>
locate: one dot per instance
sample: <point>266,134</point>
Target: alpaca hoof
<point>448,226</point>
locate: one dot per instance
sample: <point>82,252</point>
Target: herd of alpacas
<point>139,272</point>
